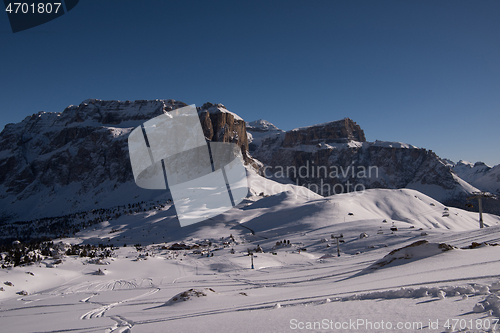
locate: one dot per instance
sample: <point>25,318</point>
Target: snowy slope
<point>154,289</point>
<point>463,189</point>
<point>277,209</point>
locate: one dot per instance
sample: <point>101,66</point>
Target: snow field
<point>301,282</point>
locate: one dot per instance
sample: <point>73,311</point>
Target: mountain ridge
<point>399,165</point>
<point>75,160</point>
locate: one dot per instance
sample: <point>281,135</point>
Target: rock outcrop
<point>341,131</point>
<point>221,125</point>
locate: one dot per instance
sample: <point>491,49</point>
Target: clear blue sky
<point>420,72</point>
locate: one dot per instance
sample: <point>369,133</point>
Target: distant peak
<point>90,101</point>
<point>479,163</point>
<point>471,165</point>
<point>261,125</point>
<point>462,162</point>
<point>209,105</point>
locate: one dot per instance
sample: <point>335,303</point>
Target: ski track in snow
<point>402,292</point>
<point>122,325</point>
<point>99,312</point>
<point>104,286</point>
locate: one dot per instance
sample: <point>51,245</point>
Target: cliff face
<point>85,143</point>
<point>334,132</point>
<point>221,125</point>
<point>57,163</point>
<point>366,164</point>
<point>335,158</point>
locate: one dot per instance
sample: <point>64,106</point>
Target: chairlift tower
<point>339,238</point>
<point>479,196</point>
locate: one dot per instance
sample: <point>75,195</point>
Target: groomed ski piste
<point>438,272</point>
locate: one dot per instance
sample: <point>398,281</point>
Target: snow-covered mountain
<point>75,161</point>
<point>337,154</point>
<point>468,171</point>
<point>260,130</point>
<point>54,164</point>
<point>480,175</point>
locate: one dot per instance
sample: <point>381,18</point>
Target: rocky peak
<point>261,125</point>
<point>464,163</point>
<point>222,125</point>
<point>480,175</point>
<point>470,171</point>
<point>209,105</point>
<point>481,165</point>
<point>118,112</point>
<point>340,131</point>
